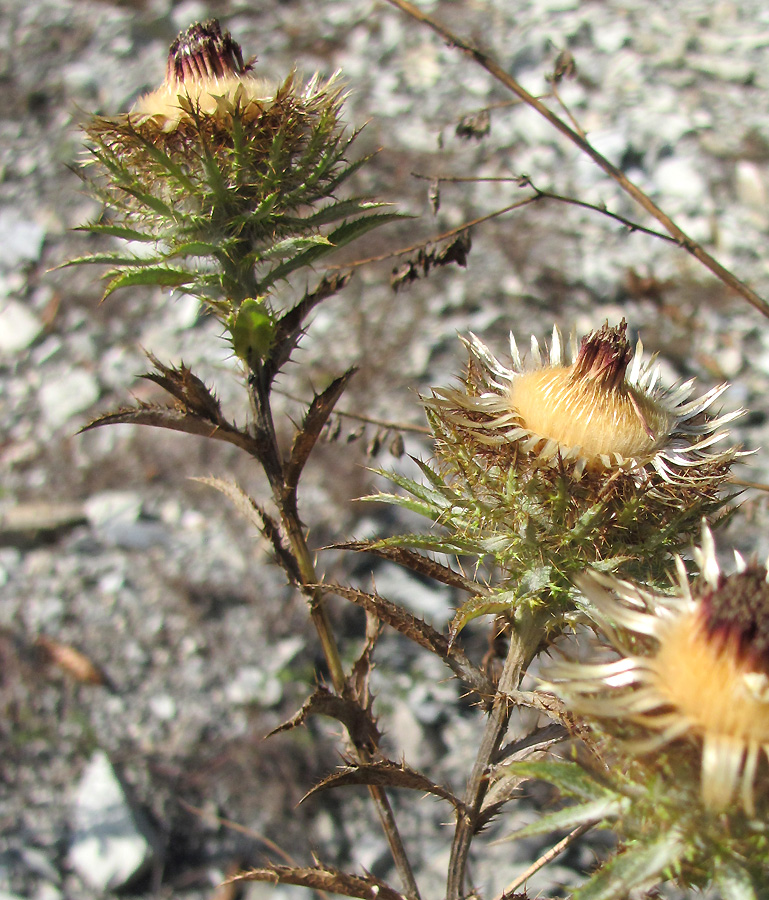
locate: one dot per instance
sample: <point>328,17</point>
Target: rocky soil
<point>106,545</point>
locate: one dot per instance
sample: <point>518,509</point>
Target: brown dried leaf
<point>316,417</point>
<point>191,392</point>
<point>175,420</point>
<point>323,878</point>
<point>260,519</point>
<point>421,633</point>
<point>385,773</point>
<point>503,781</point>
<point>475,125</point>
<point>289,327</point>
<point>358,682</point>
<point>410,559</point>
<point>71,661</point>
<point>565,67</point>
<point>419,266</point>
<point>358,721</point>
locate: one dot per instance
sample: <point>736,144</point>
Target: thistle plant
<point>682,711</point>
<point>543,468</point>
<point>554,479</point>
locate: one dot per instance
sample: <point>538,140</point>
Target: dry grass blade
<point>260,519</point>
<point>323,878</point>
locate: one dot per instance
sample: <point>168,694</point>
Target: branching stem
<point>525,638</point>
<point>285,498</point>
<point>495,70</point>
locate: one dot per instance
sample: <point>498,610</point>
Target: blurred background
<point>108,548</point>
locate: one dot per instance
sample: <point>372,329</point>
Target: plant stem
<point>285,499</point>
<point>547,857</point>
<point>525,638</point>
<point>494,69</point>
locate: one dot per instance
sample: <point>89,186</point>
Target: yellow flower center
<point>710,682</point>
<point>207,97</point>
<point>585,412</point>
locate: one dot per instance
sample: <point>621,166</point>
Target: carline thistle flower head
<point>212,105</point>
<point>604,412</point>
<point>205,74</point>
<point>220,174</point>
<point>693,670</point>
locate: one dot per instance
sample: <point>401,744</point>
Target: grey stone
<point>111,844</point>
<point>21,240</point>
<point>63,397</point>
<point>18,327</point>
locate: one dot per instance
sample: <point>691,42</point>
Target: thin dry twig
<point>540,194</point>
<point>412,248</point>
<point>357,417</point>
<point>547,857</point>
<point>496,71</point>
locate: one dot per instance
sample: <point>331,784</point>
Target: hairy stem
<point>494,69</point>
<point>525,638</point>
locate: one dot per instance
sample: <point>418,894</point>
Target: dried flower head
<point>205,76</point>
<point>597,414</point>
<point>694,667</point>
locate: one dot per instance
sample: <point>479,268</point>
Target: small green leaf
<point>192,248</point>
<point>565,819</point>
<point>641,864</point>
<point>427,510</point>
<point>292,245</point>
<point>337,238</point>
<point>569,777</point>
<point>334,212</point>
<point>156,275</point>
<point>482,605</point>
<point>437,500</point>
<point>150,200</point>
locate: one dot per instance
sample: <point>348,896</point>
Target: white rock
<point>163,707</point>
<point>64,397</point>
<point>254,685</point>
<point>110,508</point>
<point>21,241</point>
<point>18,327</point>
<point>111,845</point>
<point>676,177</point>
<point>750,184</point>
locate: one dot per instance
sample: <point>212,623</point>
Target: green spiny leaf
<point>569,777</point>
<point>155,275</point>
<point>483,605</point>
<point>640,864</point>
<point>120,231</point>
<point>597,811</point>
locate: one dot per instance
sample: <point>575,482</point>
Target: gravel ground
<point>108,547</point>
